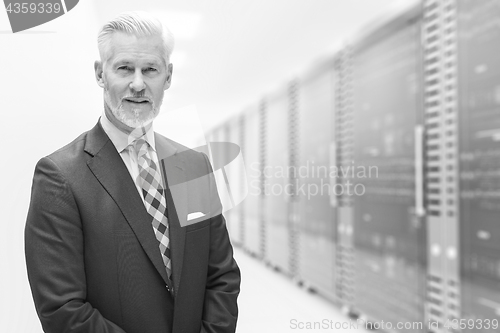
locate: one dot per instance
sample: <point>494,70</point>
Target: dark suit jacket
<point>93,260</point>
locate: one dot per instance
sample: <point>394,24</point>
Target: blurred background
<point>367,186</point>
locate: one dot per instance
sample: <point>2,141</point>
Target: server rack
<point>218,154</point>
<point>253,155</point>
<point>237,178</point>
<point>276,179</point>
<point>342,157</point>
<point>317,229</point>
<point>440,105</point>
<point>387,191</point>
<point>479,163</point>
<point>293,205</point>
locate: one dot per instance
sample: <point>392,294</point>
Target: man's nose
<point>137,83</point>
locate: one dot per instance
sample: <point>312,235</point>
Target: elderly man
<point>110,245</point>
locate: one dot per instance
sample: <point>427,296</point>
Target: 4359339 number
<point>462,324</point>
<point>25,8</point>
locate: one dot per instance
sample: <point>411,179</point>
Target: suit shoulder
<point>69,153</point>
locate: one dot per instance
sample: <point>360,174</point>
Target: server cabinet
<point>440,104</point>
<point>341,159</point>
<point>386,188</point>
<point>277,190</point>
<point>213,135</point>
<point>236,176</point>
<point>218,154</point>
<point>253,155</point>
<point>316,243</point>
<point>479,146</point>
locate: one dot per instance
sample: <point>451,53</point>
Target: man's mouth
<point>137,99</point>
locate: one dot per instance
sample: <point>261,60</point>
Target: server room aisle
<point>271,302</point>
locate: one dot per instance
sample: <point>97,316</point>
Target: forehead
<point>124,47</point>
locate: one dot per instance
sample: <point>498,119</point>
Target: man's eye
<point>124,68</point>
<point>150,69</point>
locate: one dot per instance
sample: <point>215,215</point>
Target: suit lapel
<point>173,173</point>
<point>109,169</point>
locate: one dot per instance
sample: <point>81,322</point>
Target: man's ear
<point>98,73</point>
<point>168,81</point>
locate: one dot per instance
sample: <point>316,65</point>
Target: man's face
<point>134,76</point>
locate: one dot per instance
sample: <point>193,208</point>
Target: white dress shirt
<point>123,144</point>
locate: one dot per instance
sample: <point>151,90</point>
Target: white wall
<point>49,96</point>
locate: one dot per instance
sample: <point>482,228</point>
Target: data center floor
<point>271,302</point>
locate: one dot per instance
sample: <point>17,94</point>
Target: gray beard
<point>136,121</point>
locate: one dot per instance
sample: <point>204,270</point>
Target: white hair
<point>140,24</point>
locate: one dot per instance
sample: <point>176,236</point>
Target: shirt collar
<point>122,140</point>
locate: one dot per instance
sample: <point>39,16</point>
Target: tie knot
<point>140,145</point>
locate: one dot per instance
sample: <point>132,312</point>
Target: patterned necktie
<point>149,180</point>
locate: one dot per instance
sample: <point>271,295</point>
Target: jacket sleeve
<point>220,309</point>
<point>55,259</point>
